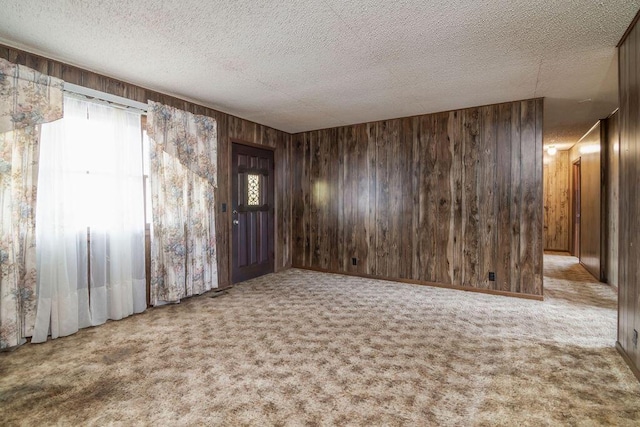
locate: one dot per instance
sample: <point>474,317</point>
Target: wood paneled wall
<point>230,129</point>
<point>556,202</point>
<point>442,198</point>
<point>629,249</point>
<point>612,221</point>
<point>588,150</point>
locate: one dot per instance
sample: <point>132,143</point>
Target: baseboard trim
<point>628,360</point>
<point>425,283</point>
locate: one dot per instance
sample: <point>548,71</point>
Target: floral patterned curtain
<point>183,175</point>
<point>27,99</point>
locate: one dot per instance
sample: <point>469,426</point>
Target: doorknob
<point>235,222</point>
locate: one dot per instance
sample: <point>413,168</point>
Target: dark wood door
<point>253,212</point>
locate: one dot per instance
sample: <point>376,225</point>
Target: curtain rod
<point>114,100</point>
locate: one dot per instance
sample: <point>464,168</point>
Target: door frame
<point>576,196</point>
<point>276,246</point>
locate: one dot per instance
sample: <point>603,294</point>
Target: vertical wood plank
<point>351,196</point>
<point>298,199</point>
<point>417,185</point>
<point>515,213</point>
<point>634,178</point>
<point>395,174</point>
<point>307,208</point>
<point>536,219</point>
<point>407,236</point>
<point>443,198</point>
<point>325,200</point>
<point>487,197</point>
<point>455,247</point>
<point>633,313</point>
<point>503,197</point>
<point>382,199</point>
<point>363,215</point>
<point>372,181</point>
<point>287,206</point>
<point>470,200</point>
<point>529,202</point>
<point>315,212</point>
<point>337,174</point>
<point>428,194</point>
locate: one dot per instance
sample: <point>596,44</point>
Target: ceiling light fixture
<point>552,150</point>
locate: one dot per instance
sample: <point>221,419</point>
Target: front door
<point>253,211</point>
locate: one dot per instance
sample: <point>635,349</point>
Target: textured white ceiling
<point>304,64</point>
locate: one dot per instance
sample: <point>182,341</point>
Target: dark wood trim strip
<point>629,28</point>
<point>424,283</point>
<point>627,360</point>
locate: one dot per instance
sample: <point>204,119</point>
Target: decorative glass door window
<point>253,190</point>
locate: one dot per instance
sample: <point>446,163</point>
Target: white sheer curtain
<point>90,181</point>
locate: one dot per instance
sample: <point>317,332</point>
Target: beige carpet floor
<point>304,348</point>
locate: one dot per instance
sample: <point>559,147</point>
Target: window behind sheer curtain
<point>89,219</point>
